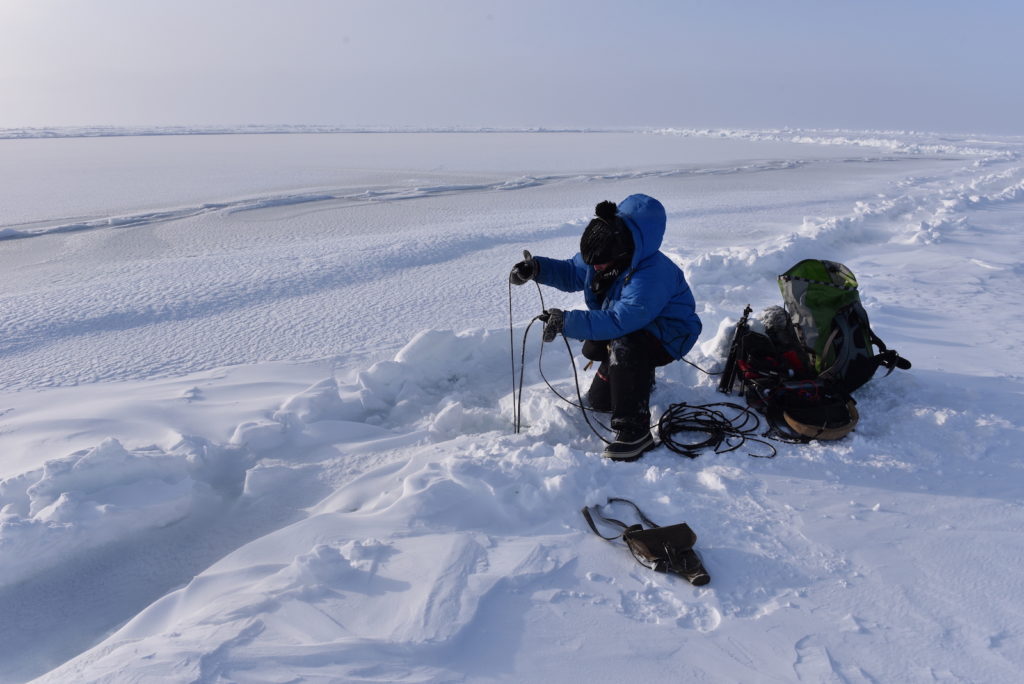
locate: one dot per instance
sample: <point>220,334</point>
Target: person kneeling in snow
<point>640,312</point>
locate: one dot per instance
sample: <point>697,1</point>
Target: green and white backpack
<point>831,326</point>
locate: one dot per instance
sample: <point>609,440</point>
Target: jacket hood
<point>645,217</point>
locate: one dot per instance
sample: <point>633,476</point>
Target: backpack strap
<point>828,346</point>
<point>887,357</point>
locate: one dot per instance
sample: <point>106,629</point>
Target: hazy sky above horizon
<point>939,65</point>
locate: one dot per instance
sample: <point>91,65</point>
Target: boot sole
<point>628,456</point>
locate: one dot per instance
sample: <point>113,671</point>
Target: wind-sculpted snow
<point>463,527</point>
<point>922,214</point>
<point>368,513</point>
<point>76,504</point>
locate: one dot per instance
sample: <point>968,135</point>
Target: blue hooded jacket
<point>652,294</point>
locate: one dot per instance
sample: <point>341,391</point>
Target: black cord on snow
<point>522,373</point>
<point>579,394</point>
<point>517,411</point>
<point>517,392</point>
<point>512,351</point>
<point>722,433</point>
<point>705,372</point>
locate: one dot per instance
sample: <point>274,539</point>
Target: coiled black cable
<point>722,432</point>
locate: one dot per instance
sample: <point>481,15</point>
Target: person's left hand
<point>553,319</point>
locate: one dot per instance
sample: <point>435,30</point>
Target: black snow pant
<point>625,377</point>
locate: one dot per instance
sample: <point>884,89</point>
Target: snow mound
<point>108,494</point>
<point>89,499</point>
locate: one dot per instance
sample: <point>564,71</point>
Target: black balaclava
<point>606,240</point>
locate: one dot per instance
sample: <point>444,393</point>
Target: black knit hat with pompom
<point>606,238</point>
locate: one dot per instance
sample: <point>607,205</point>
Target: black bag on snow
<point>662,549</point>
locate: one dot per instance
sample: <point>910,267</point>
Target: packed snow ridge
<point>902,142</point>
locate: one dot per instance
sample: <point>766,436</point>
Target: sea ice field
<point>256,411</point>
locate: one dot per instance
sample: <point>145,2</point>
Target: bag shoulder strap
<point>590,521</point>
<point>589,517</point>
<point>647,521</point>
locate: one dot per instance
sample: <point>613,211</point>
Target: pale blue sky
<point>943,66</point>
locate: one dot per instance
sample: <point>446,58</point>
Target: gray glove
<point>553,319</point>
<point>524,271</point>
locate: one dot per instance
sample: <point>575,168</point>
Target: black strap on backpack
<point>888,358</point>
<point>857,374</point>
<point>662,549</point>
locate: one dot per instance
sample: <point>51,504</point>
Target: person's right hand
<point>524,271</point>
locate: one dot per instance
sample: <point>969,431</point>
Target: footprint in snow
<point>813,662</point>
<point>598,577</point>
<point>657,606</point>
<point>701,618</point>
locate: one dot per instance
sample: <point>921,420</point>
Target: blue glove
<point>553,319</point>
<point>524,271</point>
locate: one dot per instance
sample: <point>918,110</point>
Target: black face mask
<point>603,279</point>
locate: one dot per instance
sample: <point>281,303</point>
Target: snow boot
<point>630,444</point>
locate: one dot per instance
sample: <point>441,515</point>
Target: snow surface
<point>256,413</point>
